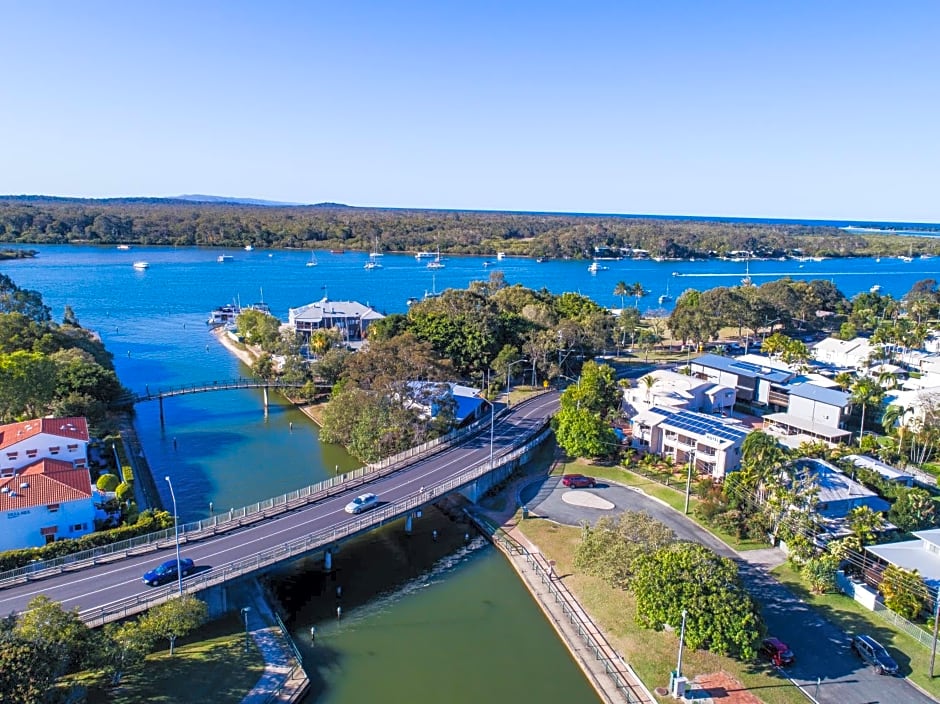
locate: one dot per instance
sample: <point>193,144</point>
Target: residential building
<point>64,439</point>
<point>837,493</point>
<point>712,444</point>
<point>429,397</point>
<point>813,414</point>
<point>845,354</point>
<point>679,392</point>
<point>887,472</point>
<point>352,319</point>
<point>921,554</point>
<point>43,501</point>
<point>754,384</point>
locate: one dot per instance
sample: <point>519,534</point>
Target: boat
<point>248,248</point>
<point>225,258</point>
<point>595,267</point>
<point>665,298</point>
<point>411,301</point>
<point>337,251</point>
<point>500,256</point>
<point>140,266</point>
<point>906,259</point>
<point>313,259</point>
<point>124,246</point>
<point>746,281</point>
<point>372,265</point>
<point>539,260</point>
<point>424,255</point>
<point>875,289</point>
<point>676,273</point>
<point>375,250</point>
<point>437,262</point>
<point>224,315</point>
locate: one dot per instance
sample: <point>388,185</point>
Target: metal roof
<point>745,369</point>
<point>831,397</point>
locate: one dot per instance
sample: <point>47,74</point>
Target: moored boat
<point>225,258</point>
<point>141,265</point>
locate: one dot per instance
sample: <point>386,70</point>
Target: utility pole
<point>688,481</point>
<point>936,614</point>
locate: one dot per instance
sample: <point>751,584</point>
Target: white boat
<point>595,267</point>
<point>224,315</point>
<point>437,262</point>
<point>665,298</point>
<point>411,301</point>
<point>313,259</point>
<point>424,255</point>
<point>500,256</point>
<point>225,258</point>
<point>248,248</point>
<point>906,259</point>
<point>140,266</point>
<point>372,265</point>
<point>875,289</point>
<point>375,250</point>
<point>124,246</point>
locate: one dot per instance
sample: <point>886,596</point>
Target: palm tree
<point>865,392</point>
<point>637,290</point>
<point>844,380</point>
<point>621,289</point>
<point>648,381</point>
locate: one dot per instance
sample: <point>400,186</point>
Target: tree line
<point>184,223</point>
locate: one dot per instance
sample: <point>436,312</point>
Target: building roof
<point>834,486</point>
<point>702,425</point>
<point>831,397</point>
<point>835,345</point>
<point>326,308</point>
<point>75,428</point>
<point>885,470</point>
<point>800,423</point>
<point>745,369</point>
<point>46,482</point>
<point>912,555</point>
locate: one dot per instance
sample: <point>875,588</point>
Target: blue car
<point>167,572</point>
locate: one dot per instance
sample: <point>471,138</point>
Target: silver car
<point>361,503</point>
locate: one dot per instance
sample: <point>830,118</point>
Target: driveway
<point>822,650</point>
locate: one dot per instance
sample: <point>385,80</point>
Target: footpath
<point>284,679</point>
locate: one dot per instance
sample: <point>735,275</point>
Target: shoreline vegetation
<point>174,222</point>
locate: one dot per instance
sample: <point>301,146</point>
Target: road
<point>97,586</point>
<point>822,650</point>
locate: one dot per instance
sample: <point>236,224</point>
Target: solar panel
<point>702,425</point>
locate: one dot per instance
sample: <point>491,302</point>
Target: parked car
<point>578,481</point>
<point>778,651</point>
<point>167,572</point>
<point>361,503</point>
<point>872,652</point>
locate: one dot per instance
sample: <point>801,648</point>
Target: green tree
<point>865,392</point>
<point>622,290</point>
<point>904,591</point>
<point>913,509</point>
<point>107,482</point>
<point>865,523</point>
<point>174,618</point>
<point>27,384</point>
<point>124,490</point>
<point>820,573</point>
<point>47,622</point>
<point>582,433</point>
<point>122,648</point>
<point>609,548</point>
<point>27,668</point>
<point>721,615</point>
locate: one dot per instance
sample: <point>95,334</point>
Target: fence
<point>235,518</point>
<point>296,678</point>
<point>624,679</point>
<point>913,630</point>
<point>300,546</point>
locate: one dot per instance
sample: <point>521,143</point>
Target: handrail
<point>235,518</point>
<point>228,384</point>
<point>299,546</point>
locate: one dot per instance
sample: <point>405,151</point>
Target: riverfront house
<point>351,318</point>
<point>45,486</point>
<point>677,392</point>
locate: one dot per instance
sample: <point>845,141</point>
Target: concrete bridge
<point>105,584</point>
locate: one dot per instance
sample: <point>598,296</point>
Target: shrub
<point>124,490</point>
<point>107,482</point>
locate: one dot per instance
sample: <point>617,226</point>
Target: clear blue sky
<point>789,109</point>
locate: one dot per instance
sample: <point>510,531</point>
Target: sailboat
<point>313,259</point>
<point>372,263</point>
<point>665,298</point>
<point>437,262</point>
<point>746,281</point>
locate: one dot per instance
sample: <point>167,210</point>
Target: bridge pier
<point>328,560</point>
<point>408,522</point>
<point>265,389</point>
<point>162,421</point>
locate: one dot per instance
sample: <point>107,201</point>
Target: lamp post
<point>245,610</point>
<point>681,643</point>
<point>508,369</point>
<point>688,480</point>
<point>492,426</point>
<point>176,531</point>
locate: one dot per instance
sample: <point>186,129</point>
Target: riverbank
<point>246,354</point>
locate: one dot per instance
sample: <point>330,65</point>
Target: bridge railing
<point>299,546</point>
<point>215,385</point>
<point>237,517</point>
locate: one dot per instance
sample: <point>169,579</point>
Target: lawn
<point>852,617</point>
<point>208,665</point>
<point>652,654</point>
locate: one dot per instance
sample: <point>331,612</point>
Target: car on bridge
<point>167,571</point>
<point>578,481</point>
<point>361,503</point>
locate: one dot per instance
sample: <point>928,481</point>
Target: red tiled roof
<point>75,428</point>
<point>50,482</point>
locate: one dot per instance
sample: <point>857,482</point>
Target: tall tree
<point>174,618</point>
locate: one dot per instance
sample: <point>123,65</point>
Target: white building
<point>64,439</point>
<point>45,501</point>
<point>845,354</point>
<point>712,444</point>
<point>922,554</point>
<point>757,384</point>
<point>678,392</point>
<point>352,319</point>
<point>429,397</point>
<point>813,414</point>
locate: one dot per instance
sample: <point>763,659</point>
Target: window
<point>54,450</point>
<point>79,526</point>
<point>12,455</point>
<point>52,508</point>
<point>71,448</point>
<point>32,453</point>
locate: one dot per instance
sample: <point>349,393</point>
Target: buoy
<point>339,612</point>
<point>434,535</point>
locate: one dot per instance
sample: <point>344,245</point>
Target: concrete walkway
<point>283,679</point>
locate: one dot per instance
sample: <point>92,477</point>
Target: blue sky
<point>752,109</point>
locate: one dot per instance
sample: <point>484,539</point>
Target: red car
<point>778,651</point>
<point>578,481</point>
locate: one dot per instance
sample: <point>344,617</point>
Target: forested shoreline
<point>169,222</point>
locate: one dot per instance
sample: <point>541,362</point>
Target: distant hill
<point>199,198</point>
<point>184,199</point>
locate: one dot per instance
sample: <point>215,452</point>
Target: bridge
<point>106,586</point>
<point>205,387</point>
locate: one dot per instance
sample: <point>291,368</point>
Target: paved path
<point>821,648</point>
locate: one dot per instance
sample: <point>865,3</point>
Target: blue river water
<point>222,450</point>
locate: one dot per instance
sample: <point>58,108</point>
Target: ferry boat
<point>223,315</point>
<point>424,255</point>
<point>140,266</point>
<point>225,258</point>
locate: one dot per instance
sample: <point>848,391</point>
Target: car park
<point>361,503</point>
<point>777,651</point>
<point>166,572</point>
<point>874,653</point>
<point>578,481</point>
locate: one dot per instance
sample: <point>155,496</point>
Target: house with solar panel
<point>754,384</point>
<point>46,492</point>
<point>678,392</point>
<point>712,444</point>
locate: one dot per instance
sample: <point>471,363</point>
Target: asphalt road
<point>822,650</point>
<point>96,586</point>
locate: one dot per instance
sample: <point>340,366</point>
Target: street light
<point>688,481</point>
<point>681,643</point>
<point>492,425</point>
<point>245,610</point>
<point>176,530</point>
<point>508,368</point>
